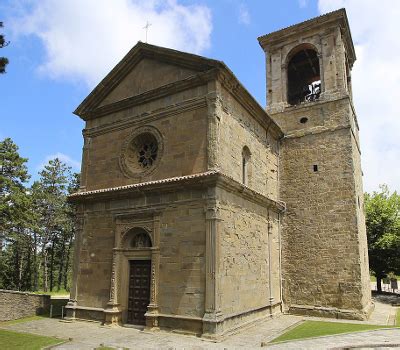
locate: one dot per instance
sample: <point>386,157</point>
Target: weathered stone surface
<point>243,214</point>
<point>324,248</point>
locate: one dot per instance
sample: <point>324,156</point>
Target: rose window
<point>141,152</point>
<point>147,154</point>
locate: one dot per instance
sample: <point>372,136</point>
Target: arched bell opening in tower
<point>304,81</point>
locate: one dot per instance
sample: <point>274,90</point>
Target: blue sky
<point>60,49</point>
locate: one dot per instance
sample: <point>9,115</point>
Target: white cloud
<point>376,85</point>
<point>83,40</point>
<point>75,165</point>
<point>244,15</point>
<point>303,3</point>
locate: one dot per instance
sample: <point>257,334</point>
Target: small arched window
<point>245,165</point>
<point>303,74</point>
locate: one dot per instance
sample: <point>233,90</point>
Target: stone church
<point>201,211</point>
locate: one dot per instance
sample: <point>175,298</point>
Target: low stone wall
<point>14,305</point>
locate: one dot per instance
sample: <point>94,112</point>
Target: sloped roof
<point>138,52</point>
<point>197,63</point>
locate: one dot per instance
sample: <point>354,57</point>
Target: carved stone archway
<point>137,237</point>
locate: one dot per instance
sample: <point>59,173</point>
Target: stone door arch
<point>136,240</point>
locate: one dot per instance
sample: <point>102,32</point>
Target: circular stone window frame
<point>126,170</point>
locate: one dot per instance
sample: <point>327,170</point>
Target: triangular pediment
<point>145,68</point>
<point>148,74</point>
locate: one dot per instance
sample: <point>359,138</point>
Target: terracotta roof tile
<point>145,184</point>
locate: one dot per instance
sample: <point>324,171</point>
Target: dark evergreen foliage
<point>36,223</point>
<point>3,60</point>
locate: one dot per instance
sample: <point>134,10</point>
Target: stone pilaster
<point>152,313</point>
<point>213,315</point>
<point>85,160</point>
<point>213,112</point>
<point>73,300</point>
<point>112,311</point>
<point>271,298</point>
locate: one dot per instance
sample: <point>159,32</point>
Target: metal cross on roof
<point>147,28</point>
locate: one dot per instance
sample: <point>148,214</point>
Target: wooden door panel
<point>139,291</point>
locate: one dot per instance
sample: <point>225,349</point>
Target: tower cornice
<point>334,18</point>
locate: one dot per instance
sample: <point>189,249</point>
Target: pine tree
<point>3,60</point>
<point>50,198</point>
<point>15,217</point>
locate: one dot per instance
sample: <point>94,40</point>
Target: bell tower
<point>324,245</point>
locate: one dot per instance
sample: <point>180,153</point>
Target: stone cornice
<point>160,92</point>
<point>315,130</point>
<point>238,188</point>
<point>337,17</point>
<point>208,69</point>
<point>148,116</point>
<point>206,179</point>
<point>138,52</point>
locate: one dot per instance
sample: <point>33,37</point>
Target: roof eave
<point>141,50</point>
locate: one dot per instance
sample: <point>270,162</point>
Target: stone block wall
<point>238,128</point>
<point>181,256</point>
<point>14,304</point>
<point>96,257</point>
<point>184,150</point>
<point>182,260</point>
<point>323,258</point>
<point>321,115</point>
<point>249,258</point>
<point>360,214</point>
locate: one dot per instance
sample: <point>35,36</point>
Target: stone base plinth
<point>331,312</point>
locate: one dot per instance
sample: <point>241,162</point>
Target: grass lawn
<point>21,341</point>
<point>61,292</point>
<point>309,329</point>
<point>398,317</point>
<point>373,278</point>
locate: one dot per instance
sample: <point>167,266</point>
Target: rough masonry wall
<point>184,137</point>
<point>182,251</point>
<point>14,304</point>
<point>321,115</point>
<point>237,128</point>
<point>95,257</point>
<point>249,255</point>
<point>360,214</point>
<point>182,260</point>
<point>321,256</point>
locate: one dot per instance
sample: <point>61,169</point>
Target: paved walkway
<point>385,339</point>
<point>89,335</point>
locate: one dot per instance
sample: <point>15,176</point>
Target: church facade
<point>200,211</point>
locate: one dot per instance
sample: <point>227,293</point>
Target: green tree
<point>36,224</point>
<point>66,246</point>
<point>13,176</point>
<point>3,60</point>
<point>15,218</point>
<point>383,231</point>
<point>50,198</point>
